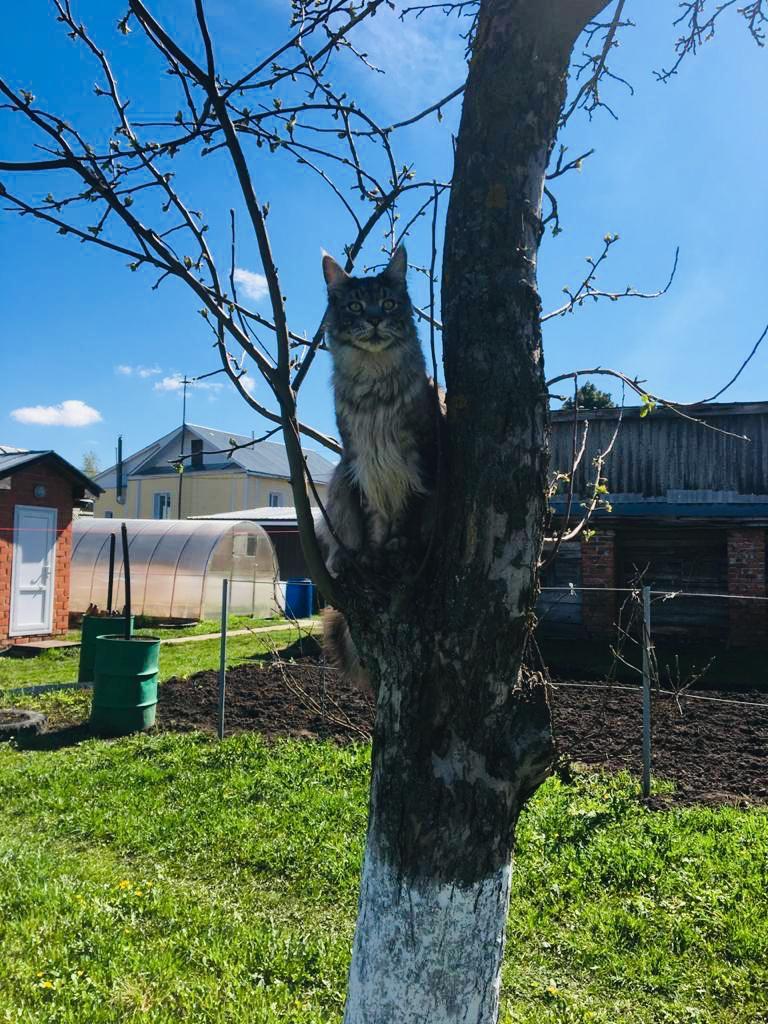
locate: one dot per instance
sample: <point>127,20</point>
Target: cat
<point>389,418</point>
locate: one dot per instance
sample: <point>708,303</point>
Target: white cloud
<point>70,413</point>
<point>423,59</point>
<point>254,286</point>
<point>140,371</point>
<point>248,383</point>
<point>175,382</point>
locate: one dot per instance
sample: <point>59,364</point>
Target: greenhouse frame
<point>176,567</point>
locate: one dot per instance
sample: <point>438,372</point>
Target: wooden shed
<point>38,492</point>
<point>688,512</point>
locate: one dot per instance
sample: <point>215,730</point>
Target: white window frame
<point>159,505</point>
<point>278,502</point>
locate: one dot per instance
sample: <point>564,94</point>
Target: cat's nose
<point>374,321</point>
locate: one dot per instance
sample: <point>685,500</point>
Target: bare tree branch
<point>650,400</point>
<point>587,290</point>
<point>595,67</point>
<point>741,369</point>
<point>700,27</point>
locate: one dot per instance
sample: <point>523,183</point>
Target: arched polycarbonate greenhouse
<point>177,567</point>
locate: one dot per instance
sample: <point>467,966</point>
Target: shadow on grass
<point>307,646</point>
<point>56,739</point>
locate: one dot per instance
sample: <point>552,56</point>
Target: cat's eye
<point>355,307</point>
<point>388,305</point>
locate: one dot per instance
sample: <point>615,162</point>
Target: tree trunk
<point>461,740</point>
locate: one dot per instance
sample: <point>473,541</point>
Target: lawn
<point>60,666</point>
<point>195,629</point>
<point>170,877</point>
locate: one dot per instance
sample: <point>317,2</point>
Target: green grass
<point>60,666</point>
<point>149,628</point>
<point>625,915</point>
<point>172,878</point>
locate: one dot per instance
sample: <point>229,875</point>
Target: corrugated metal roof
<point>12,461</point>
<point>132,463</point>
<point>265,458</point>
<point>662,510</point>
<point>7,449</point>
<point>285,514</point>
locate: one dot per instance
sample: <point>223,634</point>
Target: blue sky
<point>684,165</point>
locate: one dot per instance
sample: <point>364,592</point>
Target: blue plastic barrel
<point>299,598</point>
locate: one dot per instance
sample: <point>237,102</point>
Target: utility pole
<point>185,381</point>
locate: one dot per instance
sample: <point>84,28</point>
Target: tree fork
<point>461,741</point>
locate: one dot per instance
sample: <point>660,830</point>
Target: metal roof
<point>265,515</point>
<point>747,511</point>
<point>13,459</point>
<point>265,458</point>
<point>701,411</point>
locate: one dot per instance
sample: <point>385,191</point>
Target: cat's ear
<point>397,267</point>
<point>334,274</point>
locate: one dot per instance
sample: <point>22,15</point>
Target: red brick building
<point>38,492</point>
<point>687,513</point>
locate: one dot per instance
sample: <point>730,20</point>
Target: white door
<point>34,561</point>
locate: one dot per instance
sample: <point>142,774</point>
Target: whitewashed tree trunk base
<point>426,952</point>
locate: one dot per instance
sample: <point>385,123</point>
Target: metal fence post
<point>223,653</point>
<point>646,692</point>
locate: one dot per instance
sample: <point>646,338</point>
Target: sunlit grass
<point>171,877</point>
<point>166,631</point>
<point>60,666</point>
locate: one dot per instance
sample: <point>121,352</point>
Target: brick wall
<point>747,576</point>
<point>598,569</point>
<point>58,496</point>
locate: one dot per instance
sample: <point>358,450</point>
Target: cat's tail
<point>341,652</point>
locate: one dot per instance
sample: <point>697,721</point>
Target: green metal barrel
<point>125,685</point>
<point>93,626</point>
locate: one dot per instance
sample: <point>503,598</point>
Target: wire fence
<point>665,595</point>
<point>631,645</point>
<point>635,625</point>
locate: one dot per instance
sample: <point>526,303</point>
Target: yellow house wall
<point>107,502</point>
<point>202,494</point>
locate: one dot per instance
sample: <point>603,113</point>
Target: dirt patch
<point>302,698</point>
<point>714,752</point>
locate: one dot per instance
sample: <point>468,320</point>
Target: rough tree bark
<point>460,740</point>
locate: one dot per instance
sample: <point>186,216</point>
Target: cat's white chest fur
<point>383,463</point>
<point>386,475</point>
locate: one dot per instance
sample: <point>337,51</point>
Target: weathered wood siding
<point>677,559</point>
<point>663,453</point>
<point>559,612</point>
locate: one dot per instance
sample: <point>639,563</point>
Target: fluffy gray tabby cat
<point>388,422</point>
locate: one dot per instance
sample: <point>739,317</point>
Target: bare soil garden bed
<point>714,752</point>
